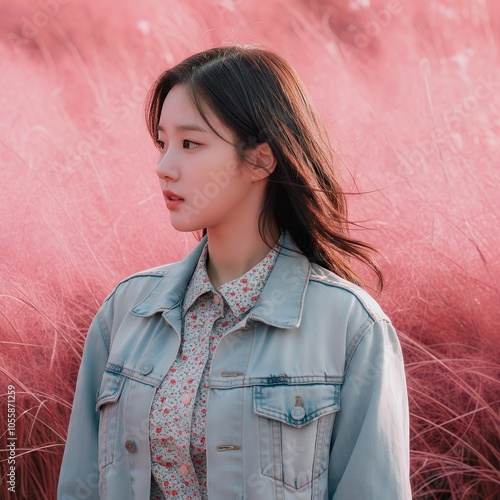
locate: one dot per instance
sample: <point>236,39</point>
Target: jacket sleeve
<point>79,475</point>
<point>369,456</point>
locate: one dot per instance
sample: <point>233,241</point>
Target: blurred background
<point>410,95</point>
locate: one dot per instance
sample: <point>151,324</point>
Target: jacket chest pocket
<point>295,428</point>
<point>107,403</point>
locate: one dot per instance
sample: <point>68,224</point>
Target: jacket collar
<point>280,303</point>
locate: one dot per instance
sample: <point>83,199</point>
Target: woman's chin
<point>184,224</point>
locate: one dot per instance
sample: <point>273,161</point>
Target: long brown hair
<point>260,97</point>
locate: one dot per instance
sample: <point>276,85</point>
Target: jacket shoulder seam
<point>156,272</point>
<point>159,273</point>
<point>358,337</point>
<point>104,330</point>
<point>374,315</point>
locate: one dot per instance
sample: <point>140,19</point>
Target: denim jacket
<point>307,394</point>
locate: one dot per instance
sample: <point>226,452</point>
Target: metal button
<point>232,374</point>
<point>130,446</point>
<point>146,368</point>
<point>298,413</point>
<point>217,299</point>
<point>228,447</point>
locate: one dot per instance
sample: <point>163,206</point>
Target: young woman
<point>255,368</point>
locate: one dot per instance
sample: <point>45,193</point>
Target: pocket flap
<point>110,390</point>
<point>296,405</point>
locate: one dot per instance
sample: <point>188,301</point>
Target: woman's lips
<point>172,200</point>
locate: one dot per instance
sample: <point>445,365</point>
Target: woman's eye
<point>160,144</point>
<point>187,144</point>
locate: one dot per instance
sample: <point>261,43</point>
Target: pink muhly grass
<point>76,221</point>
<point>455,425</point>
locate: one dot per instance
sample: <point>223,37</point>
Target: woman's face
<point>202,178</point>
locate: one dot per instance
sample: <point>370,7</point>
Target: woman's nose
<point>165,168</point>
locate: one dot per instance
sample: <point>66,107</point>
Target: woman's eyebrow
<point>187,126</point>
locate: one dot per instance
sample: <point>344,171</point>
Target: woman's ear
<point>262,161</point>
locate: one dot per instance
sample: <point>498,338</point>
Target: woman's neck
<point>231,253</point>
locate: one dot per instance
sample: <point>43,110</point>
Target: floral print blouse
<point>177,418</point>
